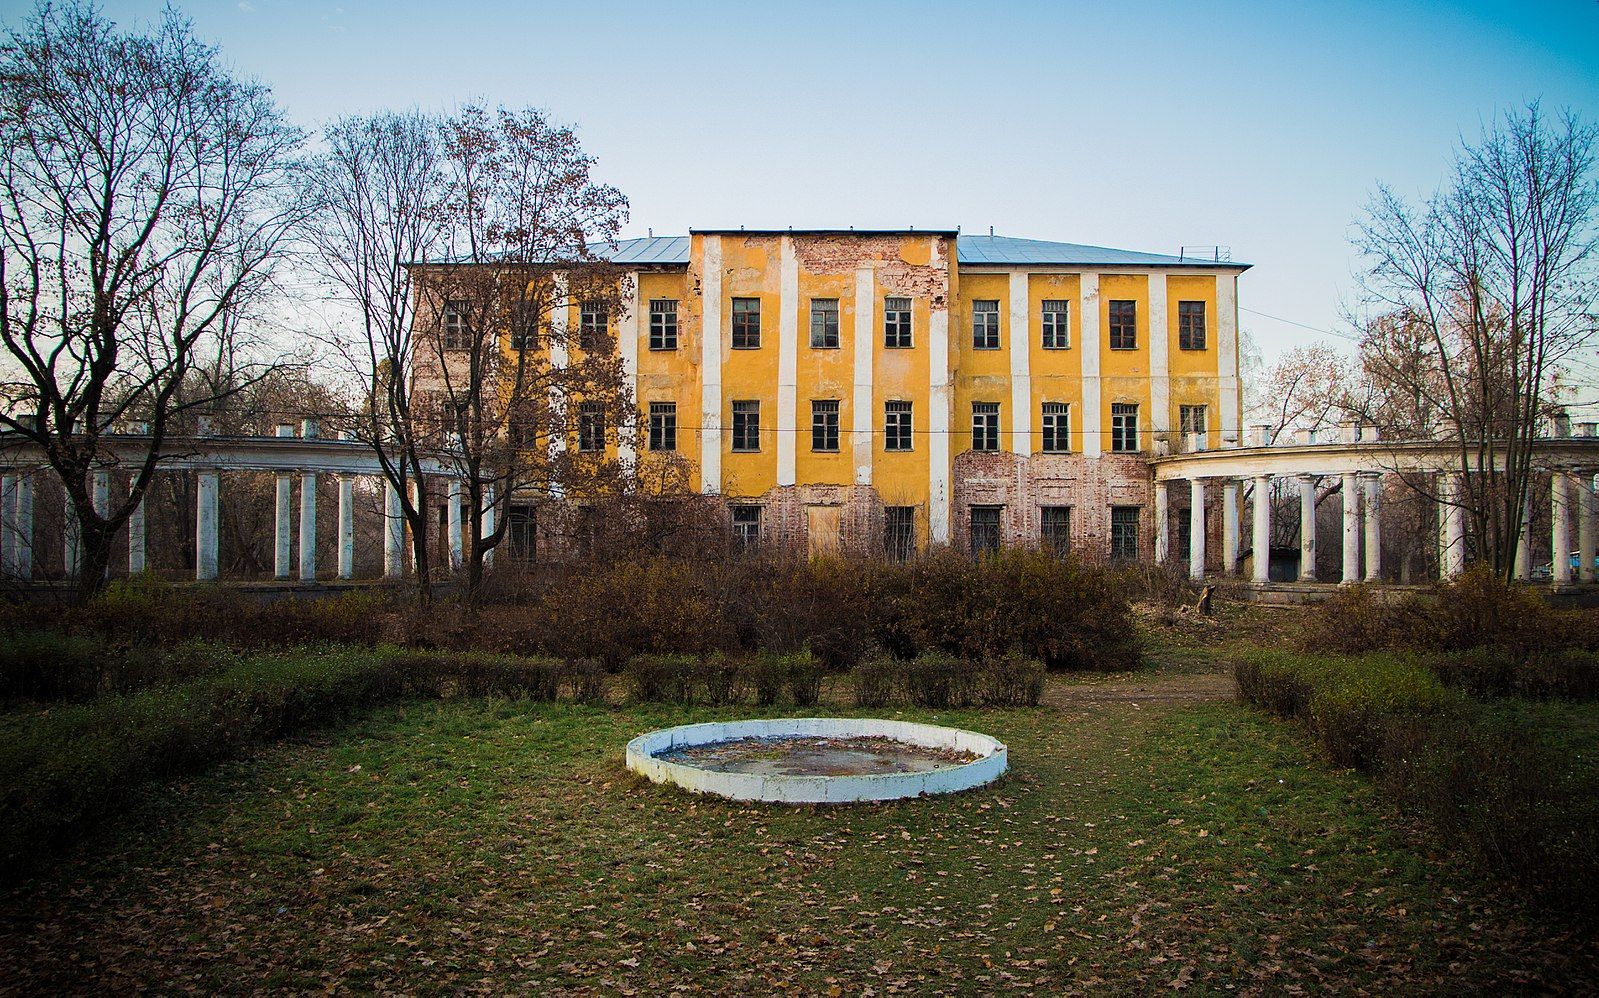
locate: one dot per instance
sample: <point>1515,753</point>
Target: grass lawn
<point>1151,834</point>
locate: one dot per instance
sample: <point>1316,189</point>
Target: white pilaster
<point>22,519</point>
<point>1196,528</point>
<point>453,519</point>
<point>71,539</point>
<point>1229,526</point>
<point>560,359</point>
<point>1261,542</point>
<point>308,430</point>
<point>940,400</point>
<point>1021,380</point>
<point>1351,552</point>
<point>1307,528</point>
<point>711,369</point>
<point>1227,356</point>
<point>1585,525</point>
<point>393,532</point>
<point>788,336</point>
<point>488,523</point>
<point>205,526</point>
<point>1452,532</point>
<point>1088,310</point>
<point>627,332</point>
<point>8,525</point>
<point>1162,522</point>
<point>101,498</point>
<point>1159,359</point>
<point>861,411</point>
<point>1373,513</point>
<point>283,550</point>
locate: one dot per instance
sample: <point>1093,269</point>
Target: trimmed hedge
<point>1500,780</point>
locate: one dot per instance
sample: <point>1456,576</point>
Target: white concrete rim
<point>992,761</point>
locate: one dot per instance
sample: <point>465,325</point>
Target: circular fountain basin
<point>818,760</point>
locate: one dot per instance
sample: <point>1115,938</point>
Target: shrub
<point>804,679</point>
<point>1011,681</point>
<point>50,665</point>
<point>669,678</point>
<point>767,675</point>
<point>877,681</point>
<point>583,681</point>
<point>938,680</point>
<point>722,679</point>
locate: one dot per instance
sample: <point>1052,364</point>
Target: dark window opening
<point>663,426</point>
<point>824,425</point>
<point>663,324</point>
<point>1124,325</point>
<point>746,426</point>
<point>985,529</point>
<point>897,323</point>
<point>899,532</point>
<point>1055,528</point>
<point>1124,532</point>
<point>985,325</point>
<point>1191,325</point>
<point>985,426</point>
<point>746,323</point>
<point>897,426</point>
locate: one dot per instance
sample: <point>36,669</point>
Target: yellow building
<point>887,390</point>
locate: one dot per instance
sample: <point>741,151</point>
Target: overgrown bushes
<point>940,680</point>
<point>1492,777</point>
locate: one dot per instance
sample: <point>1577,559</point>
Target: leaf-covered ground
<point>1150,836</point>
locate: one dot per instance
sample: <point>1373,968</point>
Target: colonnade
<point>288,456</point>
<point>1573,500</point>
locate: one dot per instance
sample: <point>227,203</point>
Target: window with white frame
<point>985,426</point>
<point>824,323</point>
<point>663,426</point>
<point>1056,324</point>
<point>1124,427</point>
<point>985,325</point>
<point>897,323</point>
<point>1057,428</point>
<point>897,417</point>
<point>663,324</point>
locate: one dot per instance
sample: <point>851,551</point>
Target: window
<point>1124,325</point>
<point>899,532</point>
<point>897,426</point>
<point>663,324</point>
<point>824,425</point>
<point>591,426</point>
<point>824,323</point>
<point>1191,325</point>
<point>746,526</point>
<point>663,426</point>
<point>1057,428</point>
<point>746,426</point>
<point>1190,419</point>
<point>897,323</point>
<point>521,527</point>
<point>456,334</point>
<point>1124,532</point>
<point>1185,536</point>
<point>985,426</point>
<point>1055,528</point>
<point>1123,427</point>
<point>985,529</point>
<point>1057,325</point>
<point>985,325</point>
<point>522,428</point>
<point>592,324</point>
<point>746,323</point>
<point>525,337</point>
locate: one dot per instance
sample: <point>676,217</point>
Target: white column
<point>1373,514</point>
<point>1351,552</point>
<point>1585,525</point>
<point>346,527</point>
<point>788,337</point>
<point>627,330</point>
<point>205,527</point>
<point>101,498</point>
<point>1196,528</point>
<point>1523,569</point>
<point>8,523</point>
<point>1159,359</point>
<point>1021,379</point>
<point>308,430</point>
<point>1262,538</point>
<point>938,415</point>
<point>488,523</point>
<point>1088,313</point>
<point>283,551</point>
<point>22,556</point>
<point>393,532</point>
<point>1162,522</point>
<point>1560,515</point>
<point>454,522</point>
<point>136,539</point>
<point>1307,528</point>
<point>862,412</point>
<point>1229,526</point>
<point>1452,528</point>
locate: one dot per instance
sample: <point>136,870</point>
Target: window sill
<point>741,450</point>
<point>735,346</point>
<point>1066,347</point>
<point>1054,452</point>
<point>1193,349</point>
<point>835,346</point>
<point>1131,349</point>
<point>825,450</point>
<point>896,346</point>
<point>671,349</point>
<point>976,347</point>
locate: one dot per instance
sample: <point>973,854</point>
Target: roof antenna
<point>651,232</point>
<point>990,232</point>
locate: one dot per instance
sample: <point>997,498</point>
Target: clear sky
<point>1260,126</point>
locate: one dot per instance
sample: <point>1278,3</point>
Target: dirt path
<point>1198,687</point>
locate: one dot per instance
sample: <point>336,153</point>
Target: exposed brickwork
<point>1090,486</point>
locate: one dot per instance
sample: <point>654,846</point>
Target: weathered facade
<point>863,391</point>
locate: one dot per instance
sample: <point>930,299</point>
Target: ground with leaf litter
<point>1151,834</point>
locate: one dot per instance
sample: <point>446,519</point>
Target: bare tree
<point>458,242</point>
<point>1491,283</point>
<point>144,197</point>
<point>382,184</point>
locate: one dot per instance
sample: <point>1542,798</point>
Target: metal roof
<point>971,250</point>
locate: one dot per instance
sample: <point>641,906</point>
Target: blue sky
<point>1261,126</point>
